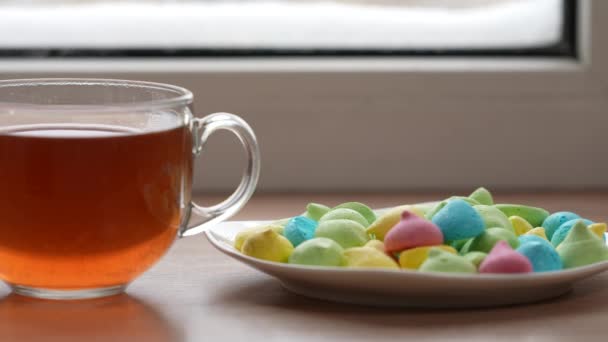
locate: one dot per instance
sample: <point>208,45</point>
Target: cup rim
<point>183,96</point>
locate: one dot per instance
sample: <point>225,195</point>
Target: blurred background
<point>354,95</point>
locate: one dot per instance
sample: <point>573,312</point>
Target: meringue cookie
<point>377,244</point>
<point>599,229</point>
<point>243,235</point>
<point>488,239</point>
<point>553,221</point>
<point>520,225</point>
<point>317,252</point>
<point>531,238</point>
<point>482,196</point>
<point>344,214</point>
<point>437,207</point>
<point>362,209</point>
<point>267,245</point>
<point>503,259</point>
<point>493,217</point>
<point>581,247</point>
<point>560,234</point>
<point>368,257</point>
<point>535,216</point>
<point>466,247</point>
<point>384,223</point>
<point>475,257</point>
<point>412,231</point>
<point>413,258</point>
<point>538,231</point>
<point>458,220</point>
<point>541,254</point>
<point>442,261</point>
<point>347,233</point>
<point>300,229</point>
<point>458,244</point>
<point>315,211</point>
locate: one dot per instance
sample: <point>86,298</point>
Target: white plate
<point>404,288</point>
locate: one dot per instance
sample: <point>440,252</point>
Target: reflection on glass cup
<point>95,179</point>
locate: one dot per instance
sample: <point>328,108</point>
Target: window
<point>434,109</point>
<point>287,27</point>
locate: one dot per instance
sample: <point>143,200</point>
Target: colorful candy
<point>459,244</point>
<point>368,257</point>
<point>300,229</point>
<point>315,211</point>
<point>457,235</point>
<point>553,221</point>
<point>347,233</point>
<point>458,220</point>
<point>243,235</point>
<point>377,244</point>
<point>317,252</point>
<point>531,238</point>
<point>267,245</point>
<point>476,258</point>
<point>581,247</point>
<point>540,252</point>
<point>421,209</point>
<point>503,259</point>
<point>345,214</point>
<point>442,261</point>
<point>437,207</point>
<point>535,216</point>
<point>538,231</point>
<point>599,229</point>
<point>493,217</point>
<point>413,258</point>
<point>488,239</point>
<point>412,231</point>
<point>520,225</point>
<point>482,196</point>
<point>434,210</point>
<point>362,209</point>
<point>560,234</point>
<point>384,223</point>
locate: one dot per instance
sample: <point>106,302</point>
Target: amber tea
<point>88,206</point>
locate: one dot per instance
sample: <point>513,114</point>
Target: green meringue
<point>315,211</point>
<point>535,216</point>
<point>317,252</point>
<point>483,196</point>
<point>361,208</point>
<point>442,261</point>
<point>345,214</point>
<point>581,247</point>
<point>475,257</point>
<point>486,240</point>
<point>347,233</point>
<point>493,217</point>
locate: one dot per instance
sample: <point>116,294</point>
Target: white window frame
<point>360,124</point>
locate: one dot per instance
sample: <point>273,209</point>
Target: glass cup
<point>96,180</point>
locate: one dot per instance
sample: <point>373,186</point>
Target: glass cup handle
<point>202,129</point>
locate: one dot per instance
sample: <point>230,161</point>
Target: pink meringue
<point>503,259</point>
<point>412,231</point>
